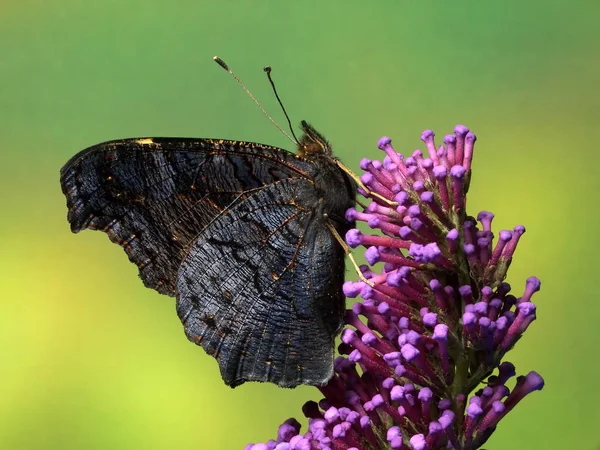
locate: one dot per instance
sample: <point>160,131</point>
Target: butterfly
<point>245,236</point>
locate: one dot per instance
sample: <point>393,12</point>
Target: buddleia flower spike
<point>422,360</point>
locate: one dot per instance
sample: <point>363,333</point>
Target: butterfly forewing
<point>154,196</point>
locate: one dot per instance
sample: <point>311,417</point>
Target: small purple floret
<point>452,234</point>
<point>418,442</point>
<point>427,134</point>
<point>458,171</point>
<point>440,172</point>
<point>352,289</point>
<point>461,130</point>
<point>372,255</point>
<point>449,139</point>
<point>383,142</point>
<point>353,237</point>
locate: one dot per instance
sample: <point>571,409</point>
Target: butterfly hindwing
<point>154,196</point>
<point>260,289</point>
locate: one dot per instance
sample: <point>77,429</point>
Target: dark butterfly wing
<point>153,196</point>
<point>261,289</point>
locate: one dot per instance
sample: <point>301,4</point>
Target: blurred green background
<point>90,359</point>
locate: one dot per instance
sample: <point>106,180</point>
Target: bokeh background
<point>90,359</point>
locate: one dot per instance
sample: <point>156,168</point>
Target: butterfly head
<point>312,142</point>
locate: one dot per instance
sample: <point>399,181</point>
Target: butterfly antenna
<point>267,69</point>
<point>222,63</point>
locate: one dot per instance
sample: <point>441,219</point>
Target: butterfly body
<point>240,233</point>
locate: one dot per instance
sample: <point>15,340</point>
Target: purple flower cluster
<point>434,322</point>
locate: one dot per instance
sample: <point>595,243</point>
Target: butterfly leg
<point>347,250</point>
<point>368,191</point>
